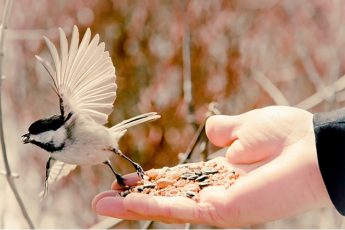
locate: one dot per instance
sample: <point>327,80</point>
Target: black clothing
<point>329,131</point>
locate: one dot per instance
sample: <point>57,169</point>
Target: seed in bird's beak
<point>26,138</point>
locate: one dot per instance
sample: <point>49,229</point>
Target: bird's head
<point>49,134</point>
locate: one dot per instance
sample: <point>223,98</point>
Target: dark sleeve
<point>329,131</point>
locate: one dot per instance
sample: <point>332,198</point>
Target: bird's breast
<point>83,155</point>
<point>87,145</point>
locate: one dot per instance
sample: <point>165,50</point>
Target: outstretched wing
<point>55,170</point>
<point>124,125</point>
<point>83,76</point>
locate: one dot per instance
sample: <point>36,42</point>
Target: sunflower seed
<point>204,184</point>
<point>190,194</point>
<point>192,177</point>
<point>140,188</point>
<point>210,171</point>
<point>149,186</point>
<point>201,178</point>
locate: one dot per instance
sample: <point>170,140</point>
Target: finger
<point>237,153</point>
<point>102,195</point>
<point>167,209</point>
<point>106,204</point>
<point>130,180</point>
<point>221,129</point>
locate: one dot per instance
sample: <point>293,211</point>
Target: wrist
<point>329,129</point>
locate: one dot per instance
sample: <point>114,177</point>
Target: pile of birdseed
<point>184,180</point>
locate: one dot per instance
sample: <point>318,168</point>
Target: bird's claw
<point>120,180</point>
<point>140,170</point>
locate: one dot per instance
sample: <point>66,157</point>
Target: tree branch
<point>8,172</point>
<point>322,94</point>
<point>187,76</point>
<point>310,68</point>
<point>270,88</point>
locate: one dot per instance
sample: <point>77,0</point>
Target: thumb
<point>221,129</point>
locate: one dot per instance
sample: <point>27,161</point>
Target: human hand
<point>274,145</point>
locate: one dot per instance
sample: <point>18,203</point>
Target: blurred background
<point>241,54</point>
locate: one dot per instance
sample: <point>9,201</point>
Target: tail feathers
<point>124,125</point>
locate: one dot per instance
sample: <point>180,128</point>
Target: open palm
<point>275,146</point>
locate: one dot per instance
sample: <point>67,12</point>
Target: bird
<point>83,77</point>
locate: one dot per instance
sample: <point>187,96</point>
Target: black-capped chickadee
<point>84,80</point>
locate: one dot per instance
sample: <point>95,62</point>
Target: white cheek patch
<point>57,137</point>
<point>60,136</point>
<point>43,137</point>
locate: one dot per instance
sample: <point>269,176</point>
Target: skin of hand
<point>275,146</point>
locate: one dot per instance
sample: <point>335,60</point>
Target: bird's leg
<point>138,168</point>
<point>119,178</point>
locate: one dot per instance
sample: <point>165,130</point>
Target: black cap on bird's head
<point>49,124</point>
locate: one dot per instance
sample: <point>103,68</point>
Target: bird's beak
<point>26,138</point>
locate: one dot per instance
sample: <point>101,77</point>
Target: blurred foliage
<point>296,45</point>
<point>146,41</point>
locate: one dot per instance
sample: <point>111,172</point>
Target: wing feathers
<point>55,56</point>
<point>80,54</point>
<point>72,52</point>
<point>124,125</point>
<point>64,53</point>
<point>59,170</point>
<point>49,69</point>
<point>89,74</point>
<point>83,76</point>
<point>88,62</point>
<point>55,171</point>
